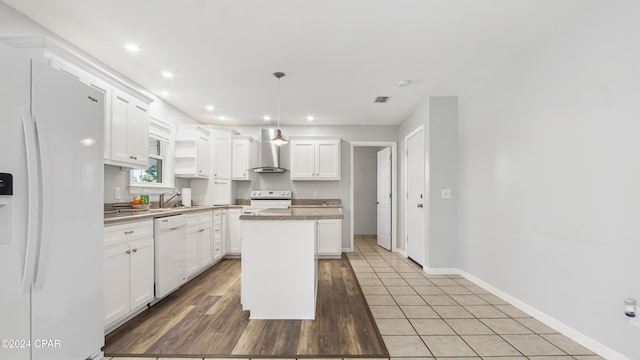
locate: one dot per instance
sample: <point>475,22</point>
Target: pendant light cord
<point>278,103</point>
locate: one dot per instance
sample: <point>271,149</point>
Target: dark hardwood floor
<point>204,318</point>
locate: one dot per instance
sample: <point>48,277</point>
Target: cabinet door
<point>222,155</point>
<point>193,258</point>
<point>202,154</point>
<point>303,160</point>
<point>116,282</point>
<point>327,159</point>
<point>329,237</point>
<point>119,126</point>
<point>105,89</point>
<point>240,159</point>
<point>138,133</point>
<point>206,254</point>
<point>221,192</point>
<point>234,242</point>
<point>141,272</point>
<point>129,130</point>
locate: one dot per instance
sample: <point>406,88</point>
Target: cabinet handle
<point>135,250</point>
<point>133,157</point>
<point>128,252</point>
<point>128,232</point>
<point>201,230</point>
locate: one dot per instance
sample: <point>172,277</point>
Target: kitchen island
<point>279,263</point>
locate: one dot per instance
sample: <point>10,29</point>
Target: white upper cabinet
<point>97,84</point>
<point>221,159</point>
<point>315,159</point>
<point>129,131</point>
<point>192,152</point>
<point>126,113</point>
<point>245,157</point>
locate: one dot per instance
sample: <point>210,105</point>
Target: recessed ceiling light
<point>266,118</point>
<point>164,93</point>
<point>222,118</point>
<point>167,74</point>
<point>209,108</point>
<point>310,118</point>
<point>404,83</point>
<point>132,47</point>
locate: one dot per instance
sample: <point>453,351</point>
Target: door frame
<point>406,203</point>
<point>394,189</point>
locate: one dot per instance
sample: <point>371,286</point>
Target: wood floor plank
<point>204,318</point>
<point>347,334</point>
<point>287,343</point>
<point>309,342</point>
<point>266,344</point>
<point>246,344</point>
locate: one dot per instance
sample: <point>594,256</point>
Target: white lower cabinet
<point>329,238</point>
<point>216,241</point>
<point>233,233</point>
<point>128,269</point>
<point>200,247</point>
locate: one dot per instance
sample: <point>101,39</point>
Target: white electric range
<point>268,199</point>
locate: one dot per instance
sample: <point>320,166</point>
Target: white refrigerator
<point>51,213</point>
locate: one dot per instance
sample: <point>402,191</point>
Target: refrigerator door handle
<point>41,248</point>
<point>34,203</point>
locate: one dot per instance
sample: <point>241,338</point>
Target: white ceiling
<point>338,54</point>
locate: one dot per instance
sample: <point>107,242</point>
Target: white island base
<point>279,269</point>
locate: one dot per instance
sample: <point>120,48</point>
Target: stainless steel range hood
<point>269,155</point>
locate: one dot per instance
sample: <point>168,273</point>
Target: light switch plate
<point>445,193</point>
<point>116,193</point>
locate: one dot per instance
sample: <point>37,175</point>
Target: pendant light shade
<point>279,139</point>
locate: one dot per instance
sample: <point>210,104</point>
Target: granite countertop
<point>297,213</point>
<point>127,215</point>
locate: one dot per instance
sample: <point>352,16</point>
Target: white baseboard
<point>555,324</point>
<point>440,271</point>
<point>400,251</point>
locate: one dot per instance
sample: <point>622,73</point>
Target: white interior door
<point>415,196</point>
<point>383,198</point>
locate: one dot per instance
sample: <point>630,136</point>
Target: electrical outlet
<point>445,193</point>
<point>116,193</point>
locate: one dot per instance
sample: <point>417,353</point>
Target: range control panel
<point>271,195</point>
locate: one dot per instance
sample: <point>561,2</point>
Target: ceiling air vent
<point>381,100</point>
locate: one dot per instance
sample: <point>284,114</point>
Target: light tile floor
<point>424,316</point>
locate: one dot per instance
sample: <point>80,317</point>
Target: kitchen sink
<point>163,210</point>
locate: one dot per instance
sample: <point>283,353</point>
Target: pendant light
<point>279,139</point>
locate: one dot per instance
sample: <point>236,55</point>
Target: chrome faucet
<point>162,202</point>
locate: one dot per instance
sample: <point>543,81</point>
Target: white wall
<point>13,23</point>
<point>325,189</point>
<point>365,172</point>
<point>439,117</point>
<point>550,174</point>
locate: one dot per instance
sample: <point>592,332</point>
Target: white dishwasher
<point>170,234</point>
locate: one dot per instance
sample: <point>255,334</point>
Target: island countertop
<point>296,213</point>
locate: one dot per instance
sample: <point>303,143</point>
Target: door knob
<point>420,205</point>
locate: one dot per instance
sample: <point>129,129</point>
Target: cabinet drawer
<point>115,234</point>
<point>205,218</point>
<point>192,220</point>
